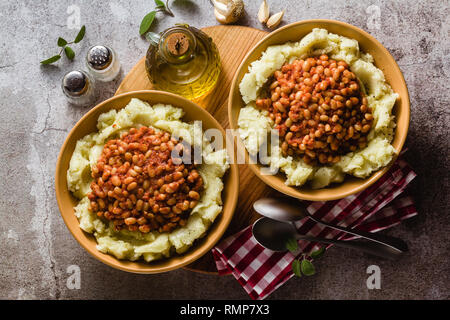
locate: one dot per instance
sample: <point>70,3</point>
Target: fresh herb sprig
<point>147,21</point>
<point>303,265</point>
<point>64,45</point>
<point>161,6</point>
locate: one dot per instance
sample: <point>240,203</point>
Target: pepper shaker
<point>102,63</point>
<point>78,87</point>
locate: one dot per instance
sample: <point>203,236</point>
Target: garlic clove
<point>220,17</point>
<point>222,6</point>
<point>228,11</point>
<point>263,13</point>
<point>275,20</point>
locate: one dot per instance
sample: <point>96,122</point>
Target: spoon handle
<point>373,248</point>
<point>395,244</point>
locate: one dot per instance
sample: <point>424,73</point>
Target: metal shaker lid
<point>99,57</point>
<point>75,83</point>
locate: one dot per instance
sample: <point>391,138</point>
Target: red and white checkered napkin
<point>261,271</point>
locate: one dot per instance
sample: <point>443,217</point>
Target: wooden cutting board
<point>233,43</point>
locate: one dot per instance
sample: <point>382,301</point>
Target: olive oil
<point>183,60</point>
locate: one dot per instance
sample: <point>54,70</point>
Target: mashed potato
<point>254,124</point>
<point>154,245</point>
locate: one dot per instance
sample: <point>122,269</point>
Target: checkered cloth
<point>261,271</point>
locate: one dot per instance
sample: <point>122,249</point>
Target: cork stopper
<point>177,44</point>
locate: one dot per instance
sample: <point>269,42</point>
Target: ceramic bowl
<point>383,60</point>
<point>66,201</point>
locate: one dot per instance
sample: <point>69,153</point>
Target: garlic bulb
<point>228,11</point>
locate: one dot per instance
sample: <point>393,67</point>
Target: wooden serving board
<point>233,43</point>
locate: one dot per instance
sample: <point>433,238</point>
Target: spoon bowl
<point>286,209</point>
<point>273,234</point>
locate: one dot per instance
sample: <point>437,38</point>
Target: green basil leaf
<point>69,53</point>
<point>160,4</point>
<point>51,60</point>
<point>61,42</point>
<point>292,245</point>
<point>307,268</point>
<point>147,22</point>
<point>318,253</point>
<point>296,268</point>
<point>80,34</point>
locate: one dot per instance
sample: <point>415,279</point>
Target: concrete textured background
<point>36,247</point>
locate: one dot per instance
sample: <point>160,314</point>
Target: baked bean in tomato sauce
<point>318,108</point>
<point>138,187</point>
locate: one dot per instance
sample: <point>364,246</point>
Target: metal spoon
<point>288,209</point>
<point>273,235</point>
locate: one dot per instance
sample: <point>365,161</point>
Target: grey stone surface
<point>36,247</point>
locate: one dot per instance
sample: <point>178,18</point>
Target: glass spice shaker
<point>78,87</point>
<point>183,60</point>
<point>102,63</point>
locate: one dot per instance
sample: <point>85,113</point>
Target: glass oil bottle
<point>183,60</point>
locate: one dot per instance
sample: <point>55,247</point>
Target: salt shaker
<point>102,63</point>
<point>78,87</point>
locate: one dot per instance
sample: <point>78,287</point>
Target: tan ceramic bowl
<point>66,201</point>
<point>383,60</point>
